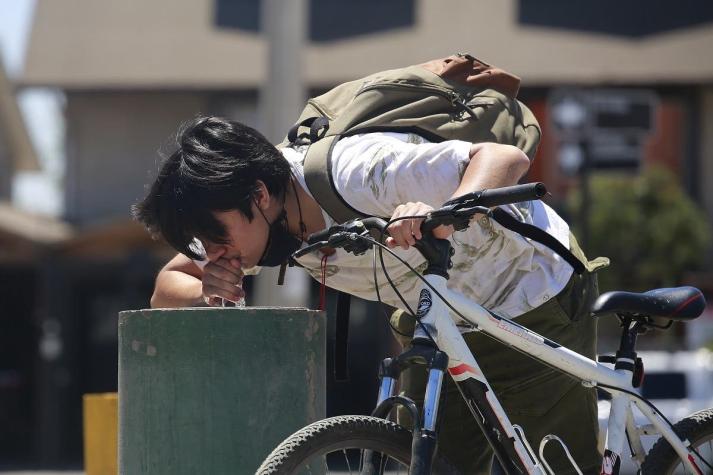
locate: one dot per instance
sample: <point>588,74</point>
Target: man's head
<point>219,166</point>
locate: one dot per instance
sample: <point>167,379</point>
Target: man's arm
<point>491,165</point>
<point>178,284</point>
<point>182,283</point>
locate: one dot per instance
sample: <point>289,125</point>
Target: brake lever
<point>352,242</point>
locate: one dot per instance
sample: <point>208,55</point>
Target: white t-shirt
<point>498,268</point>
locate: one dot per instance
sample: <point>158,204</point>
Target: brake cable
<point>382,246</point>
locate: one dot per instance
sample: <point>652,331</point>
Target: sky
<point>15,18</point>
<point>38,192</point>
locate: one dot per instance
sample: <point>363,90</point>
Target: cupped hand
<point>404,233</point>
<point>222,279</point>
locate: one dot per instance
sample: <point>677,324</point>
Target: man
<point>246,203</point>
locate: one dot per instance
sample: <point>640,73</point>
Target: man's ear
<point>261,196</point>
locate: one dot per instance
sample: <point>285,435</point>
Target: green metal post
<point>214,390</point>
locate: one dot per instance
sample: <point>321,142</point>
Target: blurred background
<point>91,92</point>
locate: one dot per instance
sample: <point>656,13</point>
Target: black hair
<point>215,168</point>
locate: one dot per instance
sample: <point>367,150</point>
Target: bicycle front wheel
<point>698,429</point>
<point>337,445</point>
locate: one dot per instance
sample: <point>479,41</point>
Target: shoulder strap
<point>507,221</point>
<point>318,176</point>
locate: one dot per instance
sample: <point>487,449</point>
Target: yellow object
<point>100,434</point>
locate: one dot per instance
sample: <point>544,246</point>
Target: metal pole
<point>283,94</point>
<point>282,97</point>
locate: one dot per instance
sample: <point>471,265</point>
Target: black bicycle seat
<point>678,303</point>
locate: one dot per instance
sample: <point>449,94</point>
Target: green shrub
<point>649,228</point>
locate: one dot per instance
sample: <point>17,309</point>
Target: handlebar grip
<point>512,194</point>
<point>307,249</point>
<point>322,235</point>
<point>501,196</point>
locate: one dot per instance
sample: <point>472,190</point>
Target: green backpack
<point>458,97</point>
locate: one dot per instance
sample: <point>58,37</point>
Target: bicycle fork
<point>424,442</point>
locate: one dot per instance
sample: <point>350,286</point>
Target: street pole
<point>282,97</point>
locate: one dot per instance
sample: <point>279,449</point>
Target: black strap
<point>318,127</point>
<point>507,221</point>
<point>341,341</point>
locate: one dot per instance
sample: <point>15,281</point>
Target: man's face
<point>246,239</point>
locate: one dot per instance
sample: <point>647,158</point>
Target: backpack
<point>458,97</point>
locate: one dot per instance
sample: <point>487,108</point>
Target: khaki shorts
<point>541,400</point>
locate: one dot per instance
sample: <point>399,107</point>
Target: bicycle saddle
<point>678,303</point>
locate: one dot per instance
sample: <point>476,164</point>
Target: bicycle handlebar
<point>456,212</point>
<point>346,235</point>
<point>503,196</point>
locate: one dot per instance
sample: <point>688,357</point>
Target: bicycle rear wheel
<point>698,429</point>
<point>336,445</point>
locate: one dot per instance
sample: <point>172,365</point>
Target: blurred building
<point>16,151</point>
<point>133,71</point>
<point>22,240</point>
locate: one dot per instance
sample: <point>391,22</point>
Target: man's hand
<point>222,279</point>
<point>406,232</point>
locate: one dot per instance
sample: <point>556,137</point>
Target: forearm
<point>176,289</point>
<point>492,166</point>
<point>178,284</point>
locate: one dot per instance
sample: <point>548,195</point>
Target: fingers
<point>224,269</point>
<point>443,232</point>
<point>222,280</point>
<point>222,291</point>
<point>404,233</point>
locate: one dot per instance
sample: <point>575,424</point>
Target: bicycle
<point>374,444</point>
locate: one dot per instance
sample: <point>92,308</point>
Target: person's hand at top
<point>404,233</point>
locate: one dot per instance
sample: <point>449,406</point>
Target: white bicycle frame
<point>434,314</point>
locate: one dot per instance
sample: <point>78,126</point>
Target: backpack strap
<point>318,127</point>
<point>318,176</point>
<point>507,221</point>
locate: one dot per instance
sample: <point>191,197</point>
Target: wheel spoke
<point>346,458</point>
